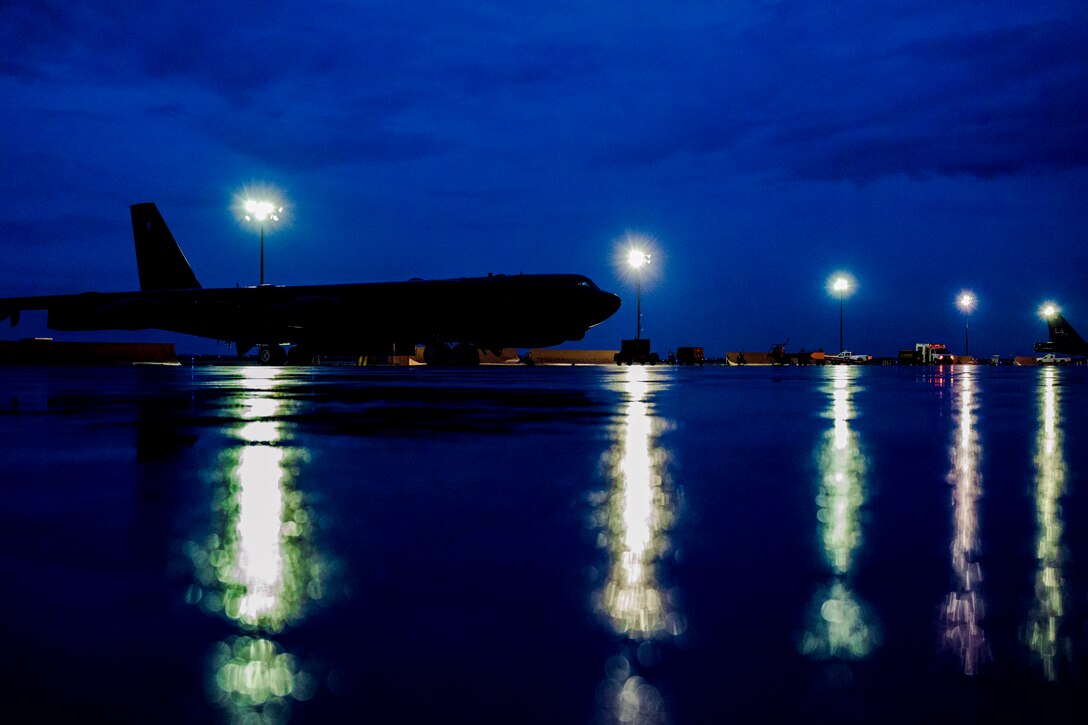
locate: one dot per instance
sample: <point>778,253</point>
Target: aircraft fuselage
<point>533,310</point>
<point>491,313</point>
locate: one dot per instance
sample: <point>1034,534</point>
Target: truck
<point>636,351</point>
<point>932,353</point>
<point>847,358</point>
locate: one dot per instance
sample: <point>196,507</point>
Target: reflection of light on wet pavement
<point>1043,630</point>
<point>260,570</point>
<point>627,697</point>
<point>259,378</point>
<point>842,468</point>
<point>637,516</point>
<point>634,522</point>
<point>963,608</point>
<point>253,677</point>
<point>840,625</point>
<point>259,562</point>
<point>841,629</point>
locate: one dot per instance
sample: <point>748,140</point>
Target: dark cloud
<point>302,89</point>
<point>524,64</point>
<point>842,101</point>
<point>28,29</point>
<point>813,91</point>
<point>305,144</point>
<point>54,231</point>
<point>236,51</point>
<point>65,252</point>
<point>1001,102</point>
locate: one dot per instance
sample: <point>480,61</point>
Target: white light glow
<point>841,285</point>
<point>259,553</point>
<point>261,378</point>
<point>634,518</point>
<point>966,302</point>
<point>262,210</point>
<point>638,258</point>
<point>1044,632</point>
<point>842,467</point>
<point>963,608</point>
<point>260,569</point>
<point>638,515</point>
<point>840,624</point>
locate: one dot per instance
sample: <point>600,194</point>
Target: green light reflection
<point>633,520</point>
<point>253,678</point>
<point>260,569</point>
<point>1043,630</point>
<point>840,625</point>
<point>638,514</point>
<point>964,608</point>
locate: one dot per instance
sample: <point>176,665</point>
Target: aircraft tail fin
<point>159,259</point>
<point>1061,331</point>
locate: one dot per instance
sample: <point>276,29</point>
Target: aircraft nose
<point>607,304</point>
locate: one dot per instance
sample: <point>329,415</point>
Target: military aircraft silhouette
<point>453,318</point>
<point>1062,336</point>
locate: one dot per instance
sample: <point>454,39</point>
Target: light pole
<point>638,259</point>
<point>259,211</point>
<point>840,285</point>
<point>966,302</point>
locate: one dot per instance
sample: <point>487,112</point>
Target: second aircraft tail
<point>1062,332</point>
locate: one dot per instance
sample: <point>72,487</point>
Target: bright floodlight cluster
<point>261,210</point>
<point>966,301</point>
<point>841,284</point>
<point>638,258</point>
<point>633,253</point>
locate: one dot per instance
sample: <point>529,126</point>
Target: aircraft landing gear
<point>298,355</point>
<point>464,354</point>
<point>271,355</point>
<point>437,353</point>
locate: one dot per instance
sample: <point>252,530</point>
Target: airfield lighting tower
<point>638,259</point>
<point>966,302</point>
<point>261,211</point>
<point>840,285</point>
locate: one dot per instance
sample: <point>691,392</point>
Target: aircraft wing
<point>11,307</point>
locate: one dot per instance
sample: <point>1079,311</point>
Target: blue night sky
<point>924,147</point>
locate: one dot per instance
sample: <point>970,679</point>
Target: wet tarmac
<point>549,544</point>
